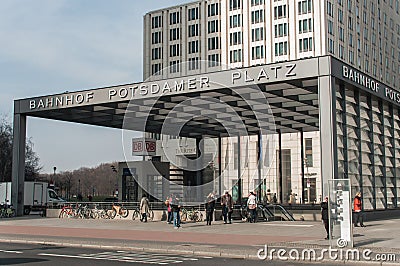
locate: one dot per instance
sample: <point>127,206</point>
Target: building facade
<point>214,35</point>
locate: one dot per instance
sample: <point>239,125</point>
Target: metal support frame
<point>328,132</point>
<point>303,184</point>
<point>199,172</point>
<point>239,173</point>
<point>219,166</point>
<point>280,169</point>
<point>18,163</point>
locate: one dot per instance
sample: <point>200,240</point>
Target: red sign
<point>141,146</point>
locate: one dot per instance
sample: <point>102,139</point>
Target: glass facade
<point>368,131</point>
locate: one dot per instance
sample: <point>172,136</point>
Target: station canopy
<point>279,97</point>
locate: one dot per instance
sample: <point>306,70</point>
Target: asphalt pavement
<point>238,240</point>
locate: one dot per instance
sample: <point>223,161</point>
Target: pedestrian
<point>358,213</point>
<point>269,196</point>
<point>210,206</point>
<point>144,208</point>
<point>176,207</point>
<point>252,206</point>
<point>169,209</point>
<point>227,207</point>
<point>325,216</point>
<point>275,199</point>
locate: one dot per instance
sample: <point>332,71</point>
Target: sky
<point>52,46</point>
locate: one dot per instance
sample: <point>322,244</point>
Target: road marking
<point>11,251</point>
<point>125,256</point>
<point>292,225</point>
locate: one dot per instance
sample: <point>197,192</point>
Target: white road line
<point>291,225</point>
<point>11,251</point>
<point>148,258</point>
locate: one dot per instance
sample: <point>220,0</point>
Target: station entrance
<point>246,111</point>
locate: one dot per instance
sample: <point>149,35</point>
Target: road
<point>24,254</point>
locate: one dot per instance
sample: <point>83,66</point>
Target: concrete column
<point>18,163</point>
<point>239,171</point>
<point>259,165</point>
<point>199,173</point>
<point>220,166</point>
<point>328,132</point>
<point>303,183</point>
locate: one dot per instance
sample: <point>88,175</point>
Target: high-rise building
<point>240,33</point>
<point>208,36</point>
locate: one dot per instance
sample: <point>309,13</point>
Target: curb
<point>218,254</point>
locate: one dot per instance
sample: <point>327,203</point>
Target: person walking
<point>325,216</point>
<point>358,213</point>
<point>176,207</point>
<point>169,209</point>
<point>210,206</point>
<point>144,208</point>
<point>252,206</point>
<point>227,207</point>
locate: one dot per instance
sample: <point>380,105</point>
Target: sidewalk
<point>237,240</point>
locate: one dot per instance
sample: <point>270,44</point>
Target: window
<point>156,69</point>
<point>193,30</point>
<point>257,34</point>
<point>309,153</point>
<point>193,63</point>
<point>331,46</point>
<point>156,22</point>
<point>256,2</point>
<point>174,34</point>
<point>280,12</point>
<point>174,66</point>
<point>257,16</point>
<point>329,8</point>
<point>235,38</point>
<point>174,50</point>
<point>234,4</point>
<point>281,30</point>
<point>235,21</point>
<point>257,52</point>
<point>306,44</point>
<point>341,51</point>
<point>213,43</point>
<point>174,18</point>
<point>305,25</point>
<point>213,26</point>
<point>193,47</point>
<point>213,60</point>
<point>330,27</point>
<point>340,16</point>
<point>193,13</point>
<point>236,56</point>
<point>156,37</point>
<point>156,53</point>
<point>213,9</point>
<point>281,48</point>
<point>305,6</point>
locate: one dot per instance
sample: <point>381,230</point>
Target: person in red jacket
<point>358,214</point>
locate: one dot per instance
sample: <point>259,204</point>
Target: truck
<point>37,196</point>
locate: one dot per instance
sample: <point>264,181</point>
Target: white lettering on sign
<point>277,72</point>
<point>60,101</point>
<point>360,79</point>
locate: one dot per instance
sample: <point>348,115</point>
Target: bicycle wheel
<point>113,214</point>
<point>199,217</point>
<point>124,212</point>
<point>62,214</point>
<point>184,216</point>
<point>135,215</point>
<point>150,215</point>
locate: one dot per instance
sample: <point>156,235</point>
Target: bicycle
<point>192,215</point>
<point>66,212</point>
<point>120,210</point>
<point>137,215</point>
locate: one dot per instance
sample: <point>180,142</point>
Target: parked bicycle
<point>7,211</point>
<point>192,215</point>
<point>137,215</point>
<point>120,210</point>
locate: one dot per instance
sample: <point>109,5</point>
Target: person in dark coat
<point>325,216</point>
<point>210,206</point>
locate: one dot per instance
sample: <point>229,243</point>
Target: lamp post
<point>116,184</point>
<point>54,176</point>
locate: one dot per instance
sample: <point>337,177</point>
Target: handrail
<point>288,216</point>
